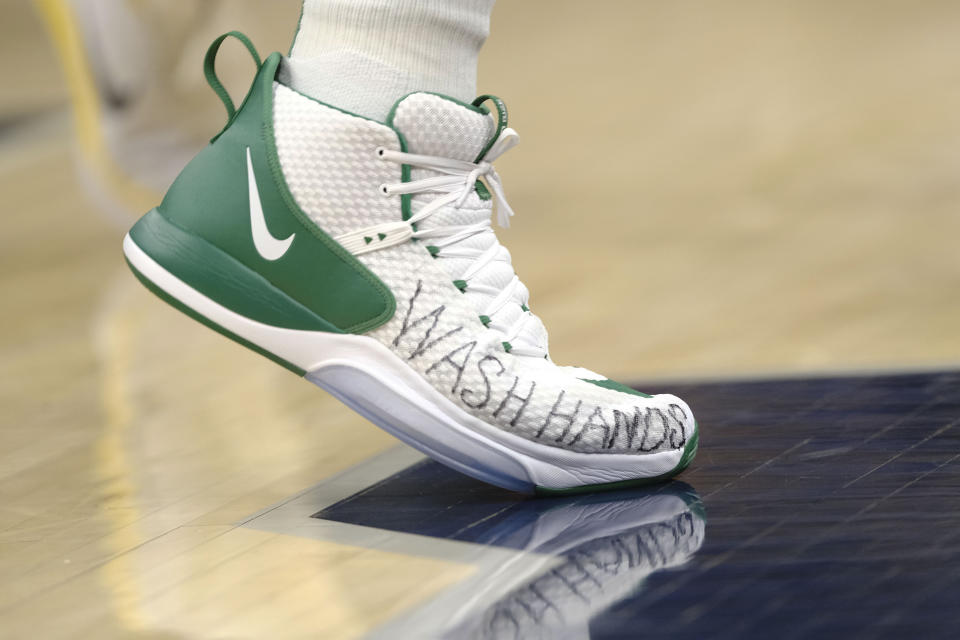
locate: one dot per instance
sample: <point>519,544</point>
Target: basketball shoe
<point>361,255</point>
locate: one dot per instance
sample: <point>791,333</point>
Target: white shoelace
<point>457,180</point>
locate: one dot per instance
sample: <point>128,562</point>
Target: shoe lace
<point>457,179</point>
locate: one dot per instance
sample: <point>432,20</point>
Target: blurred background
<point>750,187</point>
<point>703,189</point>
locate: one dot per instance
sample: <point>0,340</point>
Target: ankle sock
<point>364,55</point>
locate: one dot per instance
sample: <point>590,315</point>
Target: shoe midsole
<point>220,276</point>
<point>373,381</point>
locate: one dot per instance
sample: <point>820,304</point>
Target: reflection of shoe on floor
<point>361,255</point>
<point>606,549</point>
<point>119,58</point>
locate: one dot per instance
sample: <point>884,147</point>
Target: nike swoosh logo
<point>268,247</point>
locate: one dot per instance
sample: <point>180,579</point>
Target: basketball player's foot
<point>360,255</point>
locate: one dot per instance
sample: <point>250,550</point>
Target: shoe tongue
<point>435,125</point>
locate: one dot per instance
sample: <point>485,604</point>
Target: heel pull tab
<point>210,72</point>
<point>501,120</point>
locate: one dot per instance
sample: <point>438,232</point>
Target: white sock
<point>364,55</point>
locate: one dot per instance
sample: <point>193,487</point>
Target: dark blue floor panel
<point>815,508</point>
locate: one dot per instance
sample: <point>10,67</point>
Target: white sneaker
<point>361,255</point>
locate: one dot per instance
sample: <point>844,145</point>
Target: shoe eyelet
<point>380,152</point>
<point>384,191</point>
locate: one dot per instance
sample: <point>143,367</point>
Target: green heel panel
<point>210,202</point>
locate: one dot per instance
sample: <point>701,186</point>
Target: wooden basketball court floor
<point>756,205</point>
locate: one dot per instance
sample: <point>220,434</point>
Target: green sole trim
<point>689,451</point>
<point>613,385</point>
<point>166,297</point>
<point>220,277</point>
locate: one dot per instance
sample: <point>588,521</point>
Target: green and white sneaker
<point>360,255</point>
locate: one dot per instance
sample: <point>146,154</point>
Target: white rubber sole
<point>371,380</point>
